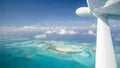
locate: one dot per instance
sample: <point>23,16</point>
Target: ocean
<point>53,51</point>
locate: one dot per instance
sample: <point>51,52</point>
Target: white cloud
<point>49,32</point>
<point>72,32</point>
<point>29,27</point>
<point>43,29</point>
<point>91,32</point>
<point>41,36</point>
<point>63,31</point>
<point>26,28</point>
<point>34,29</point>
<point>57,31</point>
<point>94,26</point>
<point>53,31</point>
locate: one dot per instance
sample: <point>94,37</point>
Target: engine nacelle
<point>83,11</point>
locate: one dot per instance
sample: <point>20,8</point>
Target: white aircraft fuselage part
<point>103,10</point>
<point>83,11</point>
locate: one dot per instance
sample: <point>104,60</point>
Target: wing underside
<point>105,7</point>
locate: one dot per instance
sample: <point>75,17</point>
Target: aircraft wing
<point>110,8</point>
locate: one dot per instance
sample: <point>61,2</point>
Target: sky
<point>41,12</point>
<point>44,18</point>
<point>44,12</point>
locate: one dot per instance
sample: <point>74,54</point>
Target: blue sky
<point>18,17</point>
<point>42,12</point>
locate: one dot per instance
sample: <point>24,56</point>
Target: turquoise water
<point>49,54</point>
